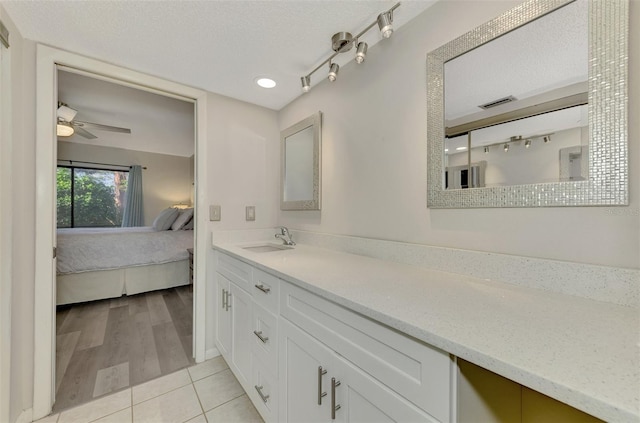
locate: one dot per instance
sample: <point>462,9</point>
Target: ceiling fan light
<point>64,129</point>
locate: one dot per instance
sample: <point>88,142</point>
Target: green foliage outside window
<point>95,196</point>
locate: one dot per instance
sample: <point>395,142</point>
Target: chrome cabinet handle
<point>334,407</point>
<point>321,394</point>
<point>224,299</point>
<point>262,396</point>
<point>228,300</point>
<point>264,339</point>
<point>263,288</point>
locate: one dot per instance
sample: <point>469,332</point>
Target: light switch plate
<point>250,212</point>
<point>214,213</point>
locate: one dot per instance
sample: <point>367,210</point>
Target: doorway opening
<point>121,318</point>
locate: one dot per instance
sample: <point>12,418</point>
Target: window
<point>90,197</point>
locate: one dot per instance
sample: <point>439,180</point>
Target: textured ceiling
<point>219,46</point>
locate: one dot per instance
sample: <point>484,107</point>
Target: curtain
<point>133,215</point>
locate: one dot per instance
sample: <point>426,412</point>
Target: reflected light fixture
<point>333,72</point>
<point>506,148</point>
<point>486,150</point>
<point>64,129</point>
<point>546,138</point>
<point>342,42</point>
<point>527,144</point>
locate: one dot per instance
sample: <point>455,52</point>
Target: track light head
<point>527,144</point>
<point>333,72</point>
<point>506,148</point>
<point>306,83</point>
<point>547,138</point>
<point>361,52</point>
<point>486,150</point>
<point>385,24</point>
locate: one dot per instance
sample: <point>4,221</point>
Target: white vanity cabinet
<point>318,385</point>
<point>301,357</point>
<point>234,315</point>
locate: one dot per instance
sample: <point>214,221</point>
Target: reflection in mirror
<point>508,95</point>
<point>530,109</point>
<point>300,170</point>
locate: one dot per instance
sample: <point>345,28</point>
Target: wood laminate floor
<point>109,345</point>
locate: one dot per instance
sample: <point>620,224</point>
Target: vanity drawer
<point>265,393</point>
<point>264,339</point>
<point>235,270</point>
<point>413,369</point>
<point>265,289</point>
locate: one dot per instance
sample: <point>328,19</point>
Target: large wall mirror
<point>530,109</point>
<point>300,169</point>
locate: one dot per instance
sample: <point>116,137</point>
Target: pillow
<point>189,225</point>
<point>165,219</point>
<point>185,216</point>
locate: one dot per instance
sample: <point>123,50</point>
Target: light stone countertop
<point>582,352</point>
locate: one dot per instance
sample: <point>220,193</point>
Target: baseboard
<point>213,352</point>
<point>26,416</point>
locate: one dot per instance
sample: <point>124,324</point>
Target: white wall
<point>22,202</point>
<point>242,155</point>
<point>165,181</point>
<point>374,157</point>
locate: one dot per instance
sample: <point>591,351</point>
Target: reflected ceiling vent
<point>498,102</point>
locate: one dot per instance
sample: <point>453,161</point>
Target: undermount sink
<point>265,248</point>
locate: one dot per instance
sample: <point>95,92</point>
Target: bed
<point>99,263</point>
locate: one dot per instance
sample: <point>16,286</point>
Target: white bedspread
<point>89,249</point>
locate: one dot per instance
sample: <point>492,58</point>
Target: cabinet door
<point>223,316</point>
<point>365,400</point>
<point>301,382</point>
<point>241,332</point>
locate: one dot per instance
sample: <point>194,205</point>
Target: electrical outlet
<point>250,213</point>
<point>214,213</point>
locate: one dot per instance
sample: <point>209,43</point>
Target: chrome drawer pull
<point>334,407</point>
<point>264,339</point>
<point>321,394</point>
<point>228,300</point>
<point>224,299</point>
<point>263,288</point>
<point>263,396</point>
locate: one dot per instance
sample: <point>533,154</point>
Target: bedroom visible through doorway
<point>124,298</point>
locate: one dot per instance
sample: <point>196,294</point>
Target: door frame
<point>47,61</point>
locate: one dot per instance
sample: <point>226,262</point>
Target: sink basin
<point>265,248</point>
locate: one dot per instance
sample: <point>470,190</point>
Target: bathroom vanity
<point>318,335</point>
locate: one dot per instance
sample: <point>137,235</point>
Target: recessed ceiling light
<point>266,82</point>
<point>461,148</point>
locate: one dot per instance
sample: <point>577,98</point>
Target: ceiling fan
<point>67,126</point>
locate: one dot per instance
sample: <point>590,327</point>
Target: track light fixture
<point>546,138</point>
<point>361,52</point>
<point>306,84</point>
<point>385,23</point>
<point>527,144</point>
<point>342,42</point>
<point>333,72</point>
<point>506,147</point>
<point>486,150</point>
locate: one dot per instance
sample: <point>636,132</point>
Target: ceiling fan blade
<point>79,123</point>
<point>84,133</point>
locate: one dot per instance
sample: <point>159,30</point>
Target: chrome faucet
<point>285,236</point>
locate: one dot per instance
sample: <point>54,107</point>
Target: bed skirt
<point>102,284</point>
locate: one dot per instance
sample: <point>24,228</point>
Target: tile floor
<point>205,393</point>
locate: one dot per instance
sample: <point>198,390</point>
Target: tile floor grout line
<point>227,402</point>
